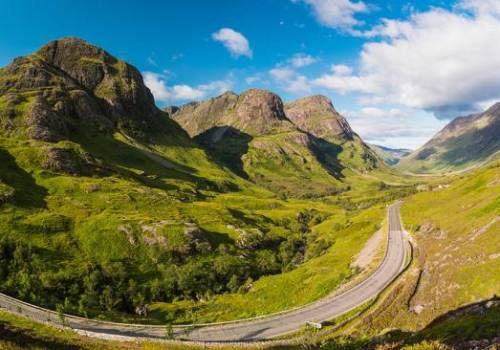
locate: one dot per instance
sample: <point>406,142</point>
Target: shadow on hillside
<point>24,339</point>
<point>153,167</point>
<point>217,238</point>
<point>327,154</point>
<point>27,193</point>
<point>238,214</point>
<point>476,321</point>
<point>226,145</point>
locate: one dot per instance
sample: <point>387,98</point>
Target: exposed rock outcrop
<point>68,161</point>
<point>254,112</point>
<point>45,123</point>
<point>316,115</point>
<point>78,85</point>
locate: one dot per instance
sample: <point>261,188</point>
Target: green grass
<point>454,225</point>
<point>308,282</point>
<point>457,230</point>
<point>126,218</point>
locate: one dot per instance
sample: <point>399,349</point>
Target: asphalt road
<point>254,329</point>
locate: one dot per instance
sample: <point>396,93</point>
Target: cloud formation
<point>234,42</point>
<point>337,14</point>
<point>388,126</point>
<point>163,93</point>
<point>290,80</point>
<point>300,60</point>
<point>440,61</point>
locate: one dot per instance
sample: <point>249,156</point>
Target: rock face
<point>260,112</point>
<point>317,116</point>
<point>76,84</point>
<point>465,141</point>
<point>198,117</point>
<point>44,123</point>
<point>254,112</point>
<point>67,161</point>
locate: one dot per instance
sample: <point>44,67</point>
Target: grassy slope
<point>309,282</point>
<point>455,228</point>
<point>81,216</point>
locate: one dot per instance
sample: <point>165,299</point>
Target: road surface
<point>253,329</point>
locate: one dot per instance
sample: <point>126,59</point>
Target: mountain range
<point>391,156</point>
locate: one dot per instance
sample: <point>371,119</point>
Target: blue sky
<point>398,70</point>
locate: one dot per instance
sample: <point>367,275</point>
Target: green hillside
<point>454,224</point>
<point>463,143</point>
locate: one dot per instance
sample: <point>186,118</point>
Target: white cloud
<point>290,81</point>
<point>300,60</point>
<point>393,127</point>
<point>281,74</point>
<point>441,61</point>
<point>483,7</point>
<point>234,42</point>
<point>253,79</point>
<point>157,83</point>
<point>341,69</point>
<point>158,86</point>
<point>338,14</point>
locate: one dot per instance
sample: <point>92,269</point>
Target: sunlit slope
<point>463,143</point>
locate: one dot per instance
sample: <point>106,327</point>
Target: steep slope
<point>251,135</point>
<point>391,156</point>
<point>464,142</point>
<point>69,96</point>
<point>317,116</point>
<point>454,223</point>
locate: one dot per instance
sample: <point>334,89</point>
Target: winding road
<point>257,329</point>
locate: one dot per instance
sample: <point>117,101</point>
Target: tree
<point>60,314</point>
<point>107,299</point>
<point>169,331</point>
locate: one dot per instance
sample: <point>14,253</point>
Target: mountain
<point>299,147</point>
<point>317,116</point>
<point>391,156</point>
<point>69,84</point>
<point>464,142</point>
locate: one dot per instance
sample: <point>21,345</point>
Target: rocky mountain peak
<point>82,61</point>
<point>81,83</point>
<point>259,111</point>
<point>494,110</point>
<point>316,115</point>
<point>254,111</point>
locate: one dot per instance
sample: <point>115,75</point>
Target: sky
<point>397,70</point>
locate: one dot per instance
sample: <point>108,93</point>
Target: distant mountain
<point>293,148</point>
<point>464,142</point>
<point>391,156</point>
